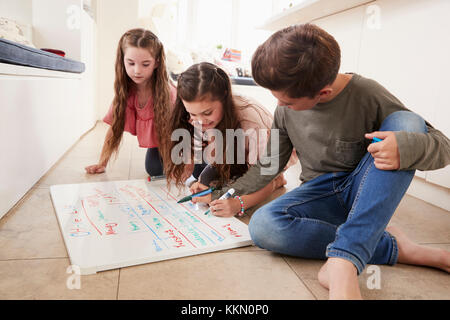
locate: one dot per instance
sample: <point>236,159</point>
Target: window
<point>202,25</point>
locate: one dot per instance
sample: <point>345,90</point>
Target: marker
<point>376,140</point>
<point>198,194</point>
<point>227,195</point>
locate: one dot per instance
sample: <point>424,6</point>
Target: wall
<point>18,10</point>
<point>43,113</point>
<point>56,25</point>
<point>399,44</point>
<point>114,17</point>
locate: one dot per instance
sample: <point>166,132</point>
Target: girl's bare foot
<point>410,252</point>
<point>279,181</point>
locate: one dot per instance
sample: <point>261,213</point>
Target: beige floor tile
<point>305,268</point>
<point>51,279</point>
<point>71,170</point>
<point>319,292</point>
<point>404,282</point>
<point>421,221</point>
<point>70,173</point>
<point>33,258</point>
<point>137,169</point>
<point>31,230</point>
<point>399,282</point>
<point>224,275</point>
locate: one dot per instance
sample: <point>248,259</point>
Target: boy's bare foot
<point>322,276</point>
<point>341,278</point>
<point>410,252</point>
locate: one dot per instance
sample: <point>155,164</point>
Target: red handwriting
<point>78,229</point>
<point>177,240</point>
<point>92,201</point>
<point>107,197</point>
<point>128,192</point>
<point>109,227</point>
<point>232,232</point>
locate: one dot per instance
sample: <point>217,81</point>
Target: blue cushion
<point>243,81</point>
<point>16,53</point>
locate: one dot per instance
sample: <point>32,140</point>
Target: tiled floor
<point>34,261</point>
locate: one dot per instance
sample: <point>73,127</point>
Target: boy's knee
<point>258,226</point>
<point>404,121</point>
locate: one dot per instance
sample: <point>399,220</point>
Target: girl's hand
<point>385,153</point>
<point>225,208</point>
<point>95,168</point>
<point>197,187</point>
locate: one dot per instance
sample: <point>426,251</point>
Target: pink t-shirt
<point>139,121</point>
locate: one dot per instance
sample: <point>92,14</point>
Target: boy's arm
<point>268,167</point>
<point>423,151</point>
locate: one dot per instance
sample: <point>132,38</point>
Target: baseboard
<point>430,192</point>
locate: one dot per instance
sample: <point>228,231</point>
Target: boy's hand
<point>95,168</point>
<point>197,187</point>
<point>225,208</point>
<point>385,153</point>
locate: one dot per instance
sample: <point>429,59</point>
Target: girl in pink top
<point>142,101</point>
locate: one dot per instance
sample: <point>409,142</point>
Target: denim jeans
<point>340,214</point>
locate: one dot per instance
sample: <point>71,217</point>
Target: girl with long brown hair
<point>205,102</point>
<point>143,99</point>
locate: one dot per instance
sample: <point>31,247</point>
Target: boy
<point>341,210</point>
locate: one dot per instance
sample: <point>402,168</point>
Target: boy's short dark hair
<point>299,60</point>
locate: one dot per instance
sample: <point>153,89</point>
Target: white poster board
<point>108,225</point>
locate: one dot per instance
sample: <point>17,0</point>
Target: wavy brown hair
<point>159,82</point>
<point>299,60</point>
<point>204,81</point>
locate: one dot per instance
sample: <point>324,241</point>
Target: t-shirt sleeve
<point>130,119</point>
<point>420,151</point>
<point>109,115</point>
<point>423,151</point>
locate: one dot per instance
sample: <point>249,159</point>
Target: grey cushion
<point>15,53</point>
<point>243,81</point>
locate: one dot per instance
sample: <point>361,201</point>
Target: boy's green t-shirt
<point>330,137</point>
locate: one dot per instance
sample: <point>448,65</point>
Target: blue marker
<point>376,140</point>
<point>198,194</point>
<point>227,195</point>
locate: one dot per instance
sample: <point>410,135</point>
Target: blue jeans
<point>340,214</point>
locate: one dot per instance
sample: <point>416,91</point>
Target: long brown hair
<point>159,82</point>
<point>299,60</point>
<point>203,81</point>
